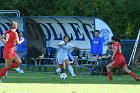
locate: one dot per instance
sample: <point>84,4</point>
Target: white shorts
<point>61,58</point>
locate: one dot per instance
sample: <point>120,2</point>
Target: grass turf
<point>41,82</point>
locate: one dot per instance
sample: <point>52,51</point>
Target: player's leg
<point>21,55</point>
<point>58,70</point>
<point>125,68</point>
<point>8,63</point>
<point>70,67</point>
<point>61,68</point>
<point>99,66</point>
<point>60,64</point>
<point>16,62</point>
<point>4,70</point>
<point>109,73</point>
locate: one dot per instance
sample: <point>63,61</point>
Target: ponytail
<point>116,39</point>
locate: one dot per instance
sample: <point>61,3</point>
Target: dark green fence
<point>127,47</point>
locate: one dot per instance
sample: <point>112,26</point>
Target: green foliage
<point>121,15</point>
<point>129,29</point>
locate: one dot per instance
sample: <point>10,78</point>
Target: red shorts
<point>8,54</point>
<point>119,62</point>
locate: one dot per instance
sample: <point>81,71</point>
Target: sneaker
<point>21,71</point>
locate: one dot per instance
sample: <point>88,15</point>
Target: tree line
<point>123,16</point>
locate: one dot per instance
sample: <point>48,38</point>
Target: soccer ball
<point>63,76</point>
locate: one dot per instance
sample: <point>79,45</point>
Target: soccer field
<point>41,82</point>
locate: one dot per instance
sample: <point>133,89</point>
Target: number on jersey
<point>7,37</point>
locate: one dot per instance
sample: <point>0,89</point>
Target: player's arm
<point>76,48</point>
<point>105,57</point>
<point>91,48</point>
<point>100,48</point>
<point>114,52</point>
<point>3,39</point>
<point>19,41</point>
<point>61,44</point>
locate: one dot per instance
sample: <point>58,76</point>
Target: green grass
<point>41,82</point>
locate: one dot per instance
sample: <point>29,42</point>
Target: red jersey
<point>119,60</point>
<point>118,54</point>
<point>10,42</point>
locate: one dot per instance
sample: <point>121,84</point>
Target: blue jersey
<point>22,47</point>
<point>97,46</point>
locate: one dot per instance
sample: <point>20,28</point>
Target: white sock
<point>58,70</point>
<point>71,70</point>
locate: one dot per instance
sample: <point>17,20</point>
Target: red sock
<point>3,71</point>
<point>14,65</point>
<point>133,75</point>
<point>109,75</point>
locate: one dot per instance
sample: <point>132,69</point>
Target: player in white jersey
<point>71,59</point>
<point>62,55</point>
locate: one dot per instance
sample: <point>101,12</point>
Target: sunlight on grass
<point>67,88</point>
<point>38,82</point>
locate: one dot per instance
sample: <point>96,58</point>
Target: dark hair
<point>115,39</point>
<point>97,31</point>
<point>109,43</point>
<point>66,36</point>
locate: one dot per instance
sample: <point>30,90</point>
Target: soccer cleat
<point>109,80</point>
<point>74,76</point>
<point>17,69</point>
<point>55,72</point>
<point>58,71</point>
<point>21,71</point>
<point>138,79</point>
<point>92,73</point>
<point>6,75</point>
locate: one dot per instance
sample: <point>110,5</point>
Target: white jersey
<point>62,53</point>
<point>63,50</point>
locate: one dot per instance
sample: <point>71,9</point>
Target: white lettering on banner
<point>58,36</point>
<point>80,30</point>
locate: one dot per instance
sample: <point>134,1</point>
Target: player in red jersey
<point>118,60</point>
<point>10,39</point>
